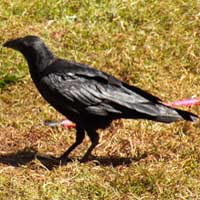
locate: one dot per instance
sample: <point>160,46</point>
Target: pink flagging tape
<point>68,124</point>
<point>65,123</point>
<point>185,102</point>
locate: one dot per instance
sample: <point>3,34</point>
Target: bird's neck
<point>38,60</point>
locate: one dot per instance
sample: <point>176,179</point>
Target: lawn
<point>152,44</point>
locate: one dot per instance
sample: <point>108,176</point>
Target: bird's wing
<point>94,92</point>
<point>63,66</point>
<point>81,94</point>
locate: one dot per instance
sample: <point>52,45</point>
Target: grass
<point>152,44</point>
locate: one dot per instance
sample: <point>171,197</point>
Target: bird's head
<point>34,50</point>
<point>29,42</point>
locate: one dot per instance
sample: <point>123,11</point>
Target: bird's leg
<point>94,137</point>
<point>80,135</point>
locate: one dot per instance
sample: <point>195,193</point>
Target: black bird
<point>89,97</point>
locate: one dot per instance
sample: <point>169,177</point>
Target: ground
<point>154,45</point>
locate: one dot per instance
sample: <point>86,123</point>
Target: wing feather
<point>99,93</point>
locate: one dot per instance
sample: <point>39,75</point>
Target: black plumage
<point>89,97</point>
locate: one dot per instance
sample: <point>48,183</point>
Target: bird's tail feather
<point>158,112</point>
<point>168,114</point>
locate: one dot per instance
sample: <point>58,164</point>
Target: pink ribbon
<point>184,102</point>
<point>65,123</point>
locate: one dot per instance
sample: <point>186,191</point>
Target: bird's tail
<point>168,114</point>
<point>159,112</point>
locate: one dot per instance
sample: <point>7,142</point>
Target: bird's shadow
<point>26,156</point>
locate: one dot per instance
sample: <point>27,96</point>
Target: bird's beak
<point>13,43</point>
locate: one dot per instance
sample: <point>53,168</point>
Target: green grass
<point>152,44</point>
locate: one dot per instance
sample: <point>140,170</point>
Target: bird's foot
<point>64,159</point>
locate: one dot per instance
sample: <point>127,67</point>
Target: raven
<point>90,98</point>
